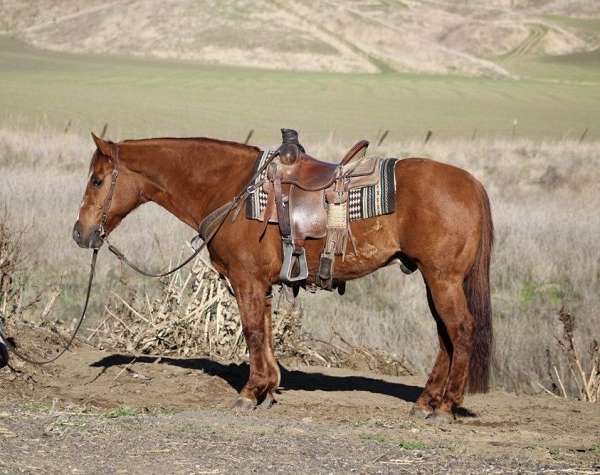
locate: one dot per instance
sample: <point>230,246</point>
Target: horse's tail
<point>477,291</point>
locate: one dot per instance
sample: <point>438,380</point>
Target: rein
<point>226,210</point>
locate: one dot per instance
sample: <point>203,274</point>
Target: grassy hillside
<point>141,98</point>
<point>419,36</point>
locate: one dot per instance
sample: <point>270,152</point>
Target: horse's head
<point>112,191</point>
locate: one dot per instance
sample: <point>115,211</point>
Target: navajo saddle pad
<point>363,202</point>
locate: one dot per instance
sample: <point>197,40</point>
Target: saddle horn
<point>290,149</point>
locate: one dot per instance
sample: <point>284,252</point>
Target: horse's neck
<point>191,179</point>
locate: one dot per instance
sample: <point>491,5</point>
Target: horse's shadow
<point>236,376</point>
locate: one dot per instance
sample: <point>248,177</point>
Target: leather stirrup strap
<point>283,209</point>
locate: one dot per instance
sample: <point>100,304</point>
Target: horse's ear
<point>105,146</point>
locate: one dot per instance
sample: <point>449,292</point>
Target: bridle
<point>225,211</point>
<point>104,219</point>
<point>111,192</point>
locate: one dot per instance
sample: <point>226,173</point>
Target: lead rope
<point>250,188</point>
<point>121,256</point>
<point>28,359</point>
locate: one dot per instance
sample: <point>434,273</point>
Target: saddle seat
<point>311,174</point>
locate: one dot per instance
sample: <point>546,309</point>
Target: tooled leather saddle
<point>308,198</point>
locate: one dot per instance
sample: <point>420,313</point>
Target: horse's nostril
<point>76,234</point>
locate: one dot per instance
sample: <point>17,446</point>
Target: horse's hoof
<point>440,418</point>
<point>420,412</point>
<point>268,403</point>
<point>243,404</point>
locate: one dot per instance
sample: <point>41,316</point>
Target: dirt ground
<point>100,412</point>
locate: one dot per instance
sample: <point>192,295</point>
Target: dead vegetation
<point>583,368</point>
<point>13,266</point>
<point>195,314</point>
<point>14,307</point>
<point>11,260</point>
<point>545,256</point>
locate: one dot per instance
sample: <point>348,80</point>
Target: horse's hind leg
<point>450,303</point>
<point>433,392</point>
<point>264,371</point>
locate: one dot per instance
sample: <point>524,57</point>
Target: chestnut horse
<point>442,226</point>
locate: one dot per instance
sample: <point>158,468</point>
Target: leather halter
<point>214,220</point>
<point>224,210</point>
<point>111,192</point>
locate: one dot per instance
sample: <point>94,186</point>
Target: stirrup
<point>325,272</point>
<point>290,257</point>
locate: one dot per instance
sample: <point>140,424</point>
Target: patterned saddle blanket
<point>365,199</point>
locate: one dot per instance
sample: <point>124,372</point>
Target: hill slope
<point>421,36</point>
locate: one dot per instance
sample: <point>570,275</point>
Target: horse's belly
<point>376,244</point>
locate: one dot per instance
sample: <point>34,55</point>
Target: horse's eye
<point>96,181</point>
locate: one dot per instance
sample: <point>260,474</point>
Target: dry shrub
<point>14,308</point>
<point>11,262</point>
<point>24,320</point>
<point>195,314</point>
<point>363,358</point>
<point>587,381</point>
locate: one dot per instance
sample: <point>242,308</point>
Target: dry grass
<point>195,314</point>
<point>11,262</point>
<point>587,380</point>
<point>544,205</point>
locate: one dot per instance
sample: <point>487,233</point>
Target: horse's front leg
<point>255,312</point>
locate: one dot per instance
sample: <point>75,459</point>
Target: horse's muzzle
<point>92,239</point>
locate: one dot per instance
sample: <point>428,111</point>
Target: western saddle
<point>308,198</point>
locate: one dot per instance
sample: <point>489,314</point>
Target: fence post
<point>427,136</point>
<point>383,137</point>
<point>249,136</point>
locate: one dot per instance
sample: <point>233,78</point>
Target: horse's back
<point>422,174</point>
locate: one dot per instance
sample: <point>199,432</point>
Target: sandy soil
<point>99,412</point>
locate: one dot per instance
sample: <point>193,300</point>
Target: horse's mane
<point>207,140</point>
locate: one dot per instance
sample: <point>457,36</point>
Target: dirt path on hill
<point>98,412</point>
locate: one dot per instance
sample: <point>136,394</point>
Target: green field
<point>555,99</point>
